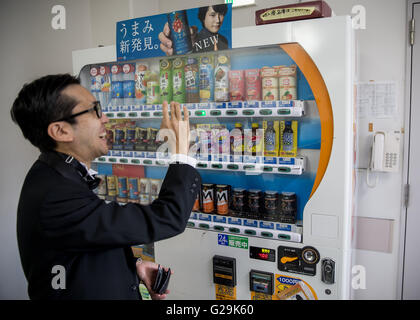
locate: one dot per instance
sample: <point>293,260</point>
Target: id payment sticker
<point>288,288</point>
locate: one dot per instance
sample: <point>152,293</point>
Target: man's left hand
<point>146,271</point>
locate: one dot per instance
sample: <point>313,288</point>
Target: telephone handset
<point>385,152</point>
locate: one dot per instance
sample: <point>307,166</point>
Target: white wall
<point>30,48</point>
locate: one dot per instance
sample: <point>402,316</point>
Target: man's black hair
<point>219,8</point>
<point>41,102</point>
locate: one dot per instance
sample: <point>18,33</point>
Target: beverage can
<point>288,207</point>
<point>208,197</point>
<point>206,77</point>
<point>191,81</point>
<point>270,84</point>
<point>153,94</point>
<point>111,186</point>
<point>238,202</point>
<point>180,32</point>
<point>129,85</point>
<point>221,78</point>
<point>236,85</point>
<point>165,80</point>
<point>144,186</point>
<point>155,186</point>
<point>141,139</point>
<point>178,79</point>
<point>144,191</point>
<point>254,203</point>
<point>140,83</point>
<point>253,84</point>
<point>287,82</point>
<point>116,86</point>
<point>133,190</point>
<point>222,199</point>
<point>270,205</point>
<point>122,189</point>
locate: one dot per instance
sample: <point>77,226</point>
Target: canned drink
<point>222,199</point>
<point>165,80</point>
<point>119,138</point>
<point>122,189</point>
<point>180,32</point>
<point>151,144</point>
<point>141,139</point>
<point>254,203</point>
<point>270,83</point>
<point>153,92</point>
<point>178,79</point>
<point>111,187</point>
<point>191,81</point>
<point>144,186</point>
<point>144,191</point>
<point>141,84</point>
<point>207,190</point>
<point>253,84</point>
<point>287,83</point>
<point>130,136</point>
<point>221,78</point>
<point>110,138</point>
<point>238,202</point>
<point>270,205</point>
<point>237,85</point>
<point>155,186</point>
<point>133,190</point>
<point>206,78</point>
<point>288,212</point>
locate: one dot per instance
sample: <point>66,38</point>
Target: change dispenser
<point>224,271</point>
<point>260,281</point>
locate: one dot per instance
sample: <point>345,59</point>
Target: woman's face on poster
<point>213,20</point>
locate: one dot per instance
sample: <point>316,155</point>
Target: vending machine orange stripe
<point>323,102</point>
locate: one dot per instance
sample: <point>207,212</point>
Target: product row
<point>219,199</point>
<point>268,138</point>
<point>200,79</point>
<point>224,200</point>
<point>128,189</point>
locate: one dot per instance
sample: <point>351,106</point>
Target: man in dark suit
<point>62,226</point>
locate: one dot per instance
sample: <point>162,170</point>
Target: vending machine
<point>273,134</point>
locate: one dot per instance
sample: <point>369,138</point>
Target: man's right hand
<point>178,129</point>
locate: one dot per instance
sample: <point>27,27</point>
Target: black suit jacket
<point>61,222</point>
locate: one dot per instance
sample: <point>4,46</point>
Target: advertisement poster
<point>179,32</point>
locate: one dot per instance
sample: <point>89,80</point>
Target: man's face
<point>89,131</point>
<point>213,20</point>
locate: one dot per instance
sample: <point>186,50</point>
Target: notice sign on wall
<point>180,32</point>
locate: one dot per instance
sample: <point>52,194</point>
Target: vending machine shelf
<point>247,227</point>
<point>280,108</point>
<point>277,165</point>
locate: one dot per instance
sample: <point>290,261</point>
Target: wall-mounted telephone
<point>386,151</point>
